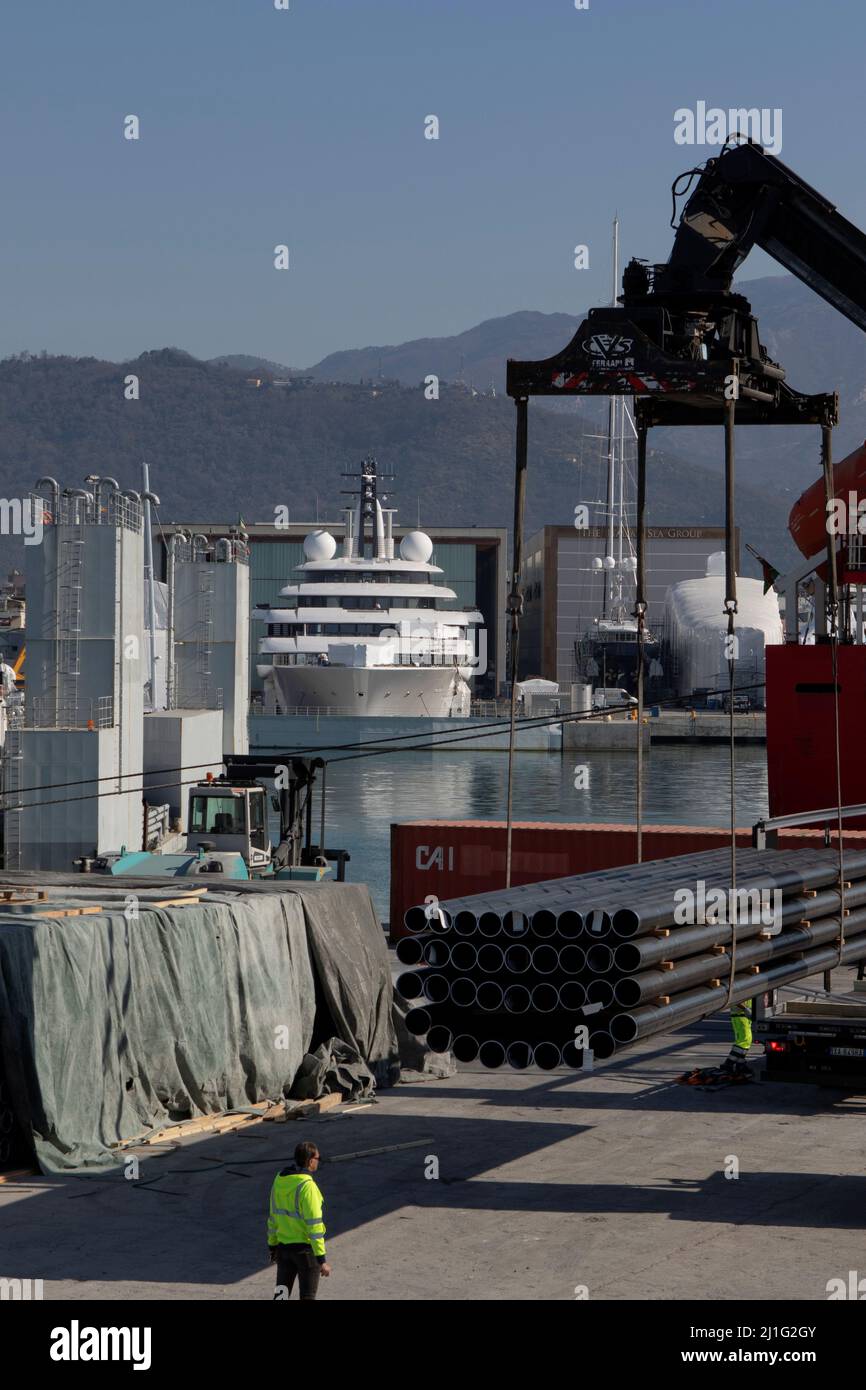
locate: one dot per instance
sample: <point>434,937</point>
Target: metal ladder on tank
<point>69,624</point>
<point>13,760</point>
<point>204,635</point>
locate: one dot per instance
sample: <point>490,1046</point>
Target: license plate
<point>847,1052</point>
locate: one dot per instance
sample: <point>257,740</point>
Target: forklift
<point>227,830</point>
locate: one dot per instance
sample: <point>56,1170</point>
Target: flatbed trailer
<point>818,1042</point>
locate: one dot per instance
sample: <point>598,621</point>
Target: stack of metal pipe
<point>540,974</point>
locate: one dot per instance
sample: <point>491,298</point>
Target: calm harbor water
<point>683,785</point>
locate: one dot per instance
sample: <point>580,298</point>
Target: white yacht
<point>368,632</point>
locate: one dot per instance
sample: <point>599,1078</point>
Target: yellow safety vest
<point>295,1216</point>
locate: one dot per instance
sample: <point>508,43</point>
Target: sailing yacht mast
<point>611,448</point>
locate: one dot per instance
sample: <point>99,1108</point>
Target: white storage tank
<point>696,628</point>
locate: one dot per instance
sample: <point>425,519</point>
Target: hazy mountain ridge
<point>219,447</point>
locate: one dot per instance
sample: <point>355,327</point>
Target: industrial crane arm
<point>746,197</point>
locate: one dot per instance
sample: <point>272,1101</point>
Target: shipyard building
<point>134,687</point>
<point>576,609</point>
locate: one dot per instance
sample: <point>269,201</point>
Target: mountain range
<point>219,446</point>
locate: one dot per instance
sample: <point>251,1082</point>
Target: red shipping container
<point>801,736</point>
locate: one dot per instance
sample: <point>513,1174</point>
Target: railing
<point>487,709</point>
<point>111,509</point>
<point>306,711</point>
<point>41,714</point>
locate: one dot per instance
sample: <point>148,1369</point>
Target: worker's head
<point>307,1155</point>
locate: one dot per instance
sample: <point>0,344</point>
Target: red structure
<point>801,751</point>
<point>808,520</point>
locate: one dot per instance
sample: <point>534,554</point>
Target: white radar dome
<point>716,563</point>
<point>320,545</point>
<point>416,547</point>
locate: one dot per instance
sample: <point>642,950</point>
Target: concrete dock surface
<point>608,1185</point>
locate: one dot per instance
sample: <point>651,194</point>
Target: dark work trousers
<point>297,1261</point>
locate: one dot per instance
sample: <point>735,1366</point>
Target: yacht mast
<point>611,447</point>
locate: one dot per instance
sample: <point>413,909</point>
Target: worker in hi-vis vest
<point>296,1231</point>
<point>741,1022</point>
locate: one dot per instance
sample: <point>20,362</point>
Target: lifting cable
<point>730,608</point>
<point>832,604</point>
<point>515,606</point>
<point>640,615</point>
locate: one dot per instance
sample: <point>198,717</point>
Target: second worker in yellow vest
<point>296,1229</point>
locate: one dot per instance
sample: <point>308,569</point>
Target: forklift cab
<point>229,818</point>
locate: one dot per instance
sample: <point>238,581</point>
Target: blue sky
<point>306,127</point>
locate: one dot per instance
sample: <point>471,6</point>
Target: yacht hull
<point>402,691</point>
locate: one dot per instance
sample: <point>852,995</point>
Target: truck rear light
<point>775,1046</point>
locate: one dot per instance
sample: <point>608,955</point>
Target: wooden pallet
<point>305,1109</point>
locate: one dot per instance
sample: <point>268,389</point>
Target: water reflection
<point>683,785</point>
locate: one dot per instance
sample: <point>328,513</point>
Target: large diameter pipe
<point>601,1044</point>
<point>633,956</point>
<point>465,1048</point>
<point>437,988</point>
<point>418,1021</point>
<point>600,992</point>
<point>489,996</point>
<point>437,953</point>
<point>517,999</point>
<point>490,923</point>
<point>410,985</point>
<point>463,992</point>
<point>518,1055</point>
<point>597,924</point>
<point>465,923</point>
<point>653,884</point>
<point>464,956</point>
<point>491,959</point>
<point>569,924</point>
<point>629,921</point>
<point>439,1038</point>
<point>545,998</point>
<point>428,917</point>
<point>491,1054</point>
<point>572,1055</point>
<point>697,1003</point>
<point>572,995</point>
<point>517,960</point>
<point>544,922</point>
<point>546,1056</point>
<point>572,960</point>
<point>545,960</point>
<point>638,881</point>
<point>410,950</point>
<point>599,959</point>
<point>650,984</point>
<point>516,924</point>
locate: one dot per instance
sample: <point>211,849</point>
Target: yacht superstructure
<point>368,631</point>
